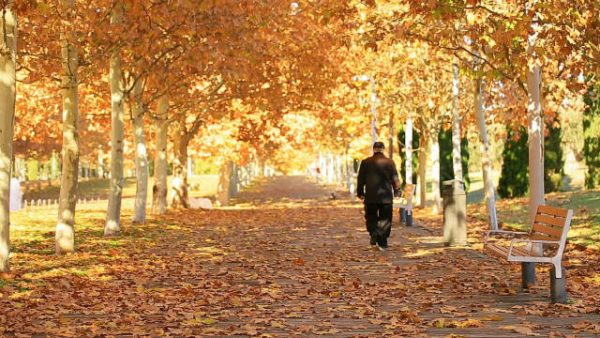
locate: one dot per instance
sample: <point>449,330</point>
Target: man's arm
<point>360,184</point>
<point>395,180</point>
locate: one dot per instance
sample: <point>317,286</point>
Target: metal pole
<point>374,109</point>
<point>408,136</point>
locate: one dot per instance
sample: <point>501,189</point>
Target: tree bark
<point>8,52</point>
<point>408,135</point>
<point>223,191</point>
<point>423,169</point>
<point>141,154</point>
<point>486,158</point>
<point>113,214</point>
<point>182,141</point>
<point>435,174</point>
<point>159,199</point>
<point>65,233</point>
<point>456,158</point>
<point>233,180</point>
<point>392,136</point>
<point>535,125</point>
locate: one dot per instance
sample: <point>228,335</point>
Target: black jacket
<point>378,179</point>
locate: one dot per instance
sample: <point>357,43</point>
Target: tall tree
<point>535,127</point>
<point>486,159</point>
<point>159,198</point>
<point>113,214</point>
<point>456,157</point>
<point>8,55</point>
<point>141,153</point>
<point>65,234</point>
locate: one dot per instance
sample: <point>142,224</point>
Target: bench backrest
<point>409,191</point>
<point>551,224</point>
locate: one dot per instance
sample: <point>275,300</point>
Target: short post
<point>402,215</point>
<point>409,218</point>
<point>558,287</point>
<point>527,274</point>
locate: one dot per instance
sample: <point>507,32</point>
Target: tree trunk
<point>101,168</point>
<point>159,199</point>
<point>408,134</point>
<point>435,173</point>
<point>233,180</point>
<point>54,164</point>
<point>423,170</point>
<point>141,155</point>
<point>535,126</point>
<point>180,168</point>
<point>8,52</point>
<point>456,158</point>
<point>65,233</point>
<point>223,191</point>
<point>486,159</point>
<point>113,214</point>
<point>391,136</point>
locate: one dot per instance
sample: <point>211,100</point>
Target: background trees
<point>8,53</point>
<point>248,84</point>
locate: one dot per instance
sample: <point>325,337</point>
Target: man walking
<point>377,184</point>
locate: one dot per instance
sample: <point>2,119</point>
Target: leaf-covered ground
<point>283,261</point>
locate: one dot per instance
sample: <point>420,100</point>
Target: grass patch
<point>200,186</point>
<point>585,228</point>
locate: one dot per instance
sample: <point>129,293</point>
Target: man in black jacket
<point>378,183</point>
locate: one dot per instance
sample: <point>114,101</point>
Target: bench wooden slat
<point>554,233</point>
<point>502,251</point>
<point>544,209</point>
<point>497,250</point>
<point>554,221</point>
<point>542,237</point>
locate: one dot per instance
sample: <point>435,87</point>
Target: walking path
<point>286,260</point>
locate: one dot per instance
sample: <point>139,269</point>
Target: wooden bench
<point>407,195</point>
<point>544,243</point>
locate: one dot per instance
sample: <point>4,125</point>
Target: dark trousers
<point>379,221</point>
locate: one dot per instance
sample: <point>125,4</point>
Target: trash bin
<point>455,213</point>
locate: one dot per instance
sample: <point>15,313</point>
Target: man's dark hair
<point>378,144</point>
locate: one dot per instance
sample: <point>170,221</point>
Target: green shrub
<point>514,179</point>
<point>591,133</point>
<point>446,162</point>
<point>553,159</point>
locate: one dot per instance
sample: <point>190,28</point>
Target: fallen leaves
<point>231,272</point>
<point>587,326</point>
<point>524,330</point>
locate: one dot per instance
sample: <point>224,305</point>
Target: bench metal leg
<point>527,274</point>
<point>558,287</point>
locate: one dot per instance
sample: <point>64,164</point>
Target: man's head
<point>378,147</point>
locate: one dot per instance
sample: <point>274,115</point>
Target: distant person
<point>16,195</point>
<point>377,185</point>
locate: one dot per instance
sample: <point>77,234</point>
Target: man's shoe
<point>373,240</point>
<point>382,248</point>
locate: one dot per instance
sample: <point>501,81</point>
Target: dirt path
<point>287,261</point>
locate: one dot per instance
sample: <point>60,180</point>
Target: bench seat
<point>550,228</point>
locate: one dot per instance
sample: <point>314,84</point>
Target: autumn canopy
<point>156,90</point>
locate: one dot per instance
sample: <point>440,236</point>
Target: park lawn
<point>33,262</point>
<point>200,186</point>
<point>32,233</point>
<point>585,227</point>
